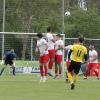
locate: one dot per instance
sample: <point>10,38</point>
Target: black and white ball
<point>67,13</point>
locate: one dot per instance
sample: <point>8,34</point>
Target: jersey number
<point>79,53</point>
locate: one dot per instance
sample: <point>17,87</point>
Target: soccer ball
<point>67,13</point>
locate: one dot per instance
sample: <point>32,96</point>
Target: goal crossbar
<point>18,33</point>
<point>85,39</point>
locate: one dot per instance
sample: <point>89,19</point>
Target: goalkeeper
<point>9,59</point>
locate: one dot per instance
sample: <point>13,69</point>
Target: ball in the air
<point>67,13</point>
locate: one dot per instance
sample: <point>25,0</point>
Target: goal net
<point>24,45</point>
<point>88,41</point>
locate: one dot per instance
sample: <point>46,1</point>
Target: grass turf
<point>27,87</point>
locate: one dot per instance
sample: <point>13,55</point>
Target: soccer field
<point>28,87</point>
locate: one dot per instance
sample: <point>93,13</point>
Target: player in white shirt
<point>42,47</point>
<point>67,48</point>
<point>50,39</point>
<point>92,62</point>
<point>59,46</point>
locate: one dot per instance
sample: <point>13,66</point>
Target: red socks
<point>51,64</point>
<point>43,70</point>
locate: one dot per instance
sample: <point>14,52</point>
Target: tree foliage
<point>36,15</point>
<point>82,22</point>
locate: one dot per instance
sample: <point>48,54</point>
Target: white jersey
<point>92,54</point>
<point>57,44</point>
<point>68,48</point>
<point>41,44</point>
<point>49,38</point>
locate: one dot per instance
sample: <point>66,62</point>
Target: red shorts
<point>92,65</point>
<point>51,53</point>
<point>67,63</point>
<point>44,58</point>
<point>58,58</point>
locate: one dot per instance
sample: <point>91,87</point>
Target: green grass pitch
<point>28,87</point>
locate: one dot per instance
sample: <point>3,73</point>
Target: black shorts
<point>74,66</point>
<point>8,62</point>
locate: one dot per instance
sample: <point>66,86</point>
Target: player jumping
<point>42,47</point>
<point>59,46</point>
<point>50,39</point>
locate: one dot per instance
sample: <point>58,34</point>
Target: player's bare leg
<point>60,69</point>
<point>97,73</point>
<point>86,72</point>
<point>50,67</point>
<point>41,72</point>
<point>45,72</point>
<point>13,68</point>
<point>2,70</point>
<point>56,70</point>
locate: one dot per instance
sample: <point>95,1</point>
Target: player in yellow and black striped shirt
<point>78,53</point>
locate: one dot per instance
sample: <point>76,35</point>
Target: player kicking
<point>59,46</point>
<point>93,62</point>
<point>50,39</point>
<point>78,52</point>
<point>9,59</point>
<point>42,47</point>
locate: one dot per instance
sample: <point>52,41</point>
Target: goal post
<point>24,45</point>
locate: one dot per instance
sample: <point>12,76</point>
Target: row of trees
<point>37,15</point>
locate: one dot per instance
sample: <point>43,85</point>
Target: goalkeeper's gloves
<point>2,62</point>
<point>14,64</point>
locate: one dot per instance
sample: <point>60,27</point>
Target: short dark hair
<point>49,29</point>
<point>81,39</point>
<point>39,35</point>
<point>59,35</point>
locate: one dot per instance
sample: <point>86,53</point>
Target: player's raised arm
<point>51,41</point>
<point>50,36</point>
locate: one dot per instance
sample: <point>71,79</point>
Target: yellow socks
<point>75,78</point>
<point>70,77</point>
